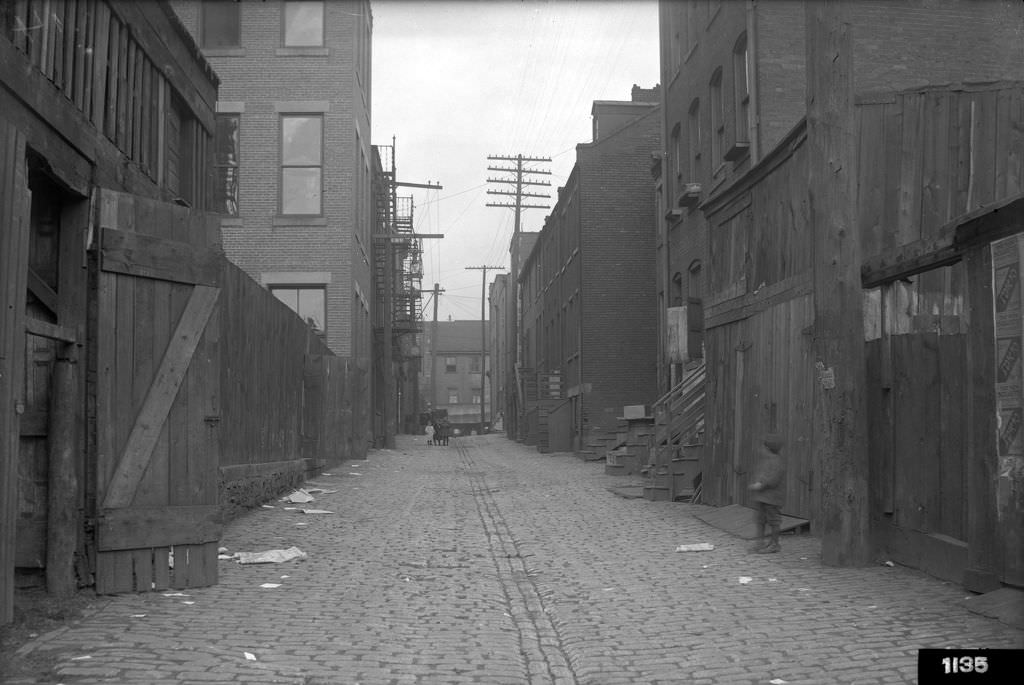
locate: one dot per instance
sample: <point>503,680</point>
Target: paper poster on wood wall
<point>1006,293</point>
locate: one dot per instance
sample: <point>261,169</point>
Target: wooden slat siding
<point>985,156</point>
<point>952,471</point>
<point>142,565</point>
<point>161,568</point>
<point>908,219</point>
<point>145,121</point>
<point>68,52</point>
<point>169,260</point>
<point>112,91</point>
<point>123,95</point>
<point>870,180</point>
<point>14,244</point>
<point>177,419</point>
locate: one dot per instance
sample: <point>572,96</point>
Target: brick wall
<point>619,325</point>
<point>266,81</point>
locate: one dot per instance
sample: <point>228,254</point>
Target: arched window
<point>741,88</point>
<point>717,120</point>
<point>677,290</point>
<point>693,138</point>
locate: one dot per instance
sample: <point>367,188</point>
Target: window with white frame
<point>741,86</point>
<point>694,140</point>
<point>301,164</point>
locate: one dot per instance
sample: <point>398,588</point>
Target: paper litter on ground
<point>300,496</point>
<point>696,547</point>
<point>249,656</point>
<point>271,556</point>
<point>315,511</point>
<point>270,585</point>
<point>744,580</point>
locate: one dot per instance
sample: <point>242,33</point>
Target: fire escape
<point>397,274</point>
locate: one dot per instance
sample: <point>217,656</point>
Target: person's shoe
<point>770,548</point>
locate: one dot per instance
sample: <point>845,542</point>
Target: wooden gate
<point>157,396</point>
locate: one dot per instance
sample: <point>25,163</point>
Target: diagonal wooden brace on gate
<point>146,431</point>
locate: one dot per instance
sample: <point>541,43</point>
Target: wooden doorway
<point>157,396</point>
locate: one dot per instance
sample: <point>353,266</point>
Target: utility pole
<point>437,290</point>
<point>520,176</point>
<point>483,336</point>
<point>840,406</point>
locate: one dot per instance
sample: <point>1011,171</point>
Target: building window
<point>226,164</point>
<point>301,164</point>
<point>303,23</point>
<point>741,97</point>
<point>717,120</point>
<point>474,364</point>
<point>450,365</point>
<point>453,396</point>
<point>694,140</point>
<point>309,302</point>
<point>220,24</point>
<point>477,396</point>
<point>677,151</point>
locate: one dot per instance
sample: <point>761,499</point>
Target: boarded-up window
<point>221,25</point>
<point>450,365</point>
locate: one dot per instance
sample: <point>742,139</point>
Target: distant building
<point>453,381</point>
<point>293,154</point>
<point>498,349</point>
<point>588,323</point>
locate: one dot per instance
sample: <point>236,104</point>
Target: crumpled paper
<point>271,556</point>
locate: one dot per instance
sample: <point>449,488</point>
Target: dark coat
<point>771,474</point>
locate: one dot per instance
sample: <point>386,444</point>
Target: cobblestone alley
<point>486,562</point>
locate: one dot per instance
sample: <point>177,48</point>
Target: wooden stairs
<point>672,472</point>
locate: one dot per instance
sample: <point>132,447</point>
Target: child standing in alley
<point>769,493</point>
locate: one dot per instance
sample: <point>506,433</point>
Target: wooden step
<point>656,493</point>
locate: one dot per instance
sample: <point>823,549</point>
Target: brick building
<point>587,286</point>
<point>293,173</point>
<point>498,348</point>
<point>754,186</point>
<point>451,381</point>
<point>734,85</point>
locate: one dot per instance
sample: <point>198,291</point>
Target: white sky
<point>457,81</point>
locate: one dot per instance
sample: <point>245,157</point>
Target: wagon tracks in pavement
<point>540,641</point>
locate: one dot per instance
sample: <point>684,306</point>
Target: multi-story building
<point>734,75</point>
<point>453,381</point>
<point>293,153</point>
<point>891,147</point>
<point>587,286</point>
<point>498,349</point>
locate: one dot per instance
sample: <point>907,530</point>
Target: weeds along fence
<point>289,406</point>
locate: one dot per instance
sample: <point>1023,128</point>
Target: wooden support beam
<point>839,423</point>
<point>62,485</point>
<point>49,330</point>
<point>981,226</point>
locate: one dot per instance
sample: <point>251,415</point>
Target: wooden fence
<point>289,406</point>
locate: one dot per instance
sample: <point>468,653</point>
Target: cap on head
<point>774,442</point>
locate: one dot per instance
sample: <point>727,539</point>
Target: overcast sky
<point>455,82</point>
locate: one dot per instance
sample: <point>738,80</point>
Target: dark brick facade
<point>588,285</point>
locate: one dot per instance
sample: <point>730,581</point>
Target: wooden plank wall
<point>760,371</point>
<point>929,156</point>
<point>14,248</point>
<point>285,396</point>
<point>926,158</point>
<point>103,58</point>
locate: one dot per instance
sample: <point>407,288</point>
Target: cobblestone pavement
<point>487,562</point>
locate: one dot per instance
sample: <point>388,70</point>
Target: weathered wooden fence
<point>289,406</point>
